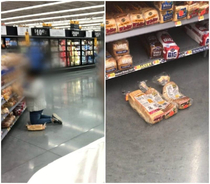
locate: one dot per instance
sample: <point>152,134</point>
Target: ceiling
<point>89,13</point>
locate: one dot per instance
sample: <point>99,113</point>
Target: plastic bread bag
<point>164,5</point>
<point>124,62</point>
<point>111,64</point>
<point>171,91</point>
<point>36,127</point>
<point>169,108</point>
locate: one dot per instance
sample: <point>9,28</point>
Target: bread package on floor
<point>36,127</point>
<point>152,45</point>
<point>203,8</point>
<point>145,106</point>
<point>111,26</point>
<point>198,32</point>
<point>180,11</point>
<point>164,5</point>
<point>118,48</point>
<point>111,64</point>
<point>169,108</point>
<point>170,48</point>
<point>171,91</point>
<point>124,62</point>
<point>166,16</point>
<point>193,10</point>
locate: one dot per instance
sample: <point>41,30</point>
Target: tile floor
<point>77,98</point>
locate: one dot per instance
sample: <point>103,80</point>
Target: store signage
<point>111,75</point>
<point>137,67</point>
<point>57,32</point>
<point>189,52</point>
<point>97,34</point>
<point>3,30</point>
<point>146,65</point>
<point>21,31</point>
<point>40,31</point>
<point>88,34</point>
<point>156,62</point>
<point>74,33</point>
<point>200,18</point>
<point>178,23</point>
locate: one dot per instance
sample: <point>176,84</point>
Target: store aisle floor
<point>74,96</point>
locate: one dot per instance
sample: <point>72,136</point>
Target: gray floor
<point>174,150</point>
<point>78,99</point>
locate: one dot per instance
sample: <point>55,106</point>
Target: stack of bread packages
<point>165,9</point>
<point>121,53</point>
<point>180,10</point>
<point>203,8</point>
<point>152,45</point>
<point>171,91</point>
<point>193,9</point>
<point>111,64</point>
<point>199,32</point>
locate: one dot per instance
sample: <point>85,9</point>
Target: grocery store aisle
<point>174,150</point>
<point>77,98</point>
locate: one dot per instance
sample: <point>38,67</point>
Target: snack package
<point>166,16</point>
<point>169,108</point>
<point>118,48</point>
<point>164,5</point>
<point>124,62</point>
<point>111,64</point>
<point>145,106</point>
<point>37,127</point>
<point>180,11</point>
<point>171,91</point>
<point>152,45</point>
<point>193,10</point>
<point>203,8</point>
<point>111,26</point>
<point>170,49</point>
<point>198,32</point>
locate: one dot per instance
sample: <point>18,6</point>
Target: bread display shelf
<point>148,29</point>
<point>6,130</point>
<point>4,101</point>
<point>141,59</point>
<point>9,83</point>
<point>11,109</point>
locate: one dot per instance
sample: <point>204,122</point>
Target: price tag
<point>111,75</point>
<point>200,18</point>
<point>137,67</point>
<point>57,32</point>
<point>189,52</point>
<point>178,23</point>
<point>156,62</point>
<point>3,30</point>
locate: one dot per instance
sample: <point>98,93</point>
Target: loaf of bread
<point>111,64</point>
<point>152,45</point>
<point>164,5</point>
<point>118,48</point>
<point>180,11</point>
<point>203,8</point>
<point>111,26</point>
<point>170,49</point>
<point>166,16</point>
<point>124,62</point>
<point>193,10</point>
<point>172,94</point>
<point>145,106</point>
<point>168,108</point>
<point>37,127</point>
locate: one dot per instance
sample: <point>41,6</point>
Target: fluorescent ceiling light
<point>36,6</point>
<point>54,12</point>
<point>83,25</point>
<point>59,17</point>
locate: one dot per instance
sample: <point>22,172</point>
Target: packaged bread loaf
<point>152,45</point>
<point>171,91</point>
<point>170,48</point>
<point>166,16</point>
<point>168,108</point>
<point>180,11</point>
<point>145,106</point>
<point>203,8</point>
<point>164,5</point>
<point>192,10</point>
<point>118,48</point>
<point>111,64</point>
<point>111,26</point>
<point>124,62</point>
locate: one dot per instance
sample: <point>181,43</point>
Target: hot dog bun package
<point>198,32</point>
<point>111,64</point>
<point>145,106</point>
<point>180,11</point>
<point>124,62</point>
<point>169,108</point>
<point>171,92</point>
<point>164,5</point>
<point>170,48</point>
<point>111,26</point>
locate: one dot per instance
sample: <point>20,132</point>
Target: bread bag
<point>170,48</point>
<point>180,11</point>
<point>169,108</point>
<point>111,26</point>
<point>166,16</point>
<point>203,8</point>
<point>164,5</point>
<point>124,62</point>
<point>171,91</point>
<point>193,10</point>
<point>36,127</point>
<point>111,64</point>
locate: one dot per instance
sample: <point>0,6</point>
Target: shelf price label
<point>189,52</point>
<point>178,23</point>
<point>200,18</point>
<point>138,67</point>
<point>156,62</point>
<point>111,75</point>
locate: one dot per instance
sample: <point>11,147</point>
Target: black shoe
<point>57,119</point>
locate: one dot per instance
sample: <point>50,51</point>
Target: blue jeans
<point>36,117</point>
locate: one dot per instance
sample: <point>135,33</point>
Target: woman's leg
<point>45,116</point>
<point>37,118</point>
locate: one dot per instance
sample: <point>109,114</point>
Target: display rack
<point>151,28</point>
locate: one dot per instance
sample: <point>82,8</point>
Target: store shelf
<point>9,83</point>
<point>6,130</point>
<point>11,109</point>
<point>141,59</point>
<point>4,101</point>
<point>147,29</point>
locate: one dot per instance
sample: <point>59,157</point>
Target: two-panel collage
<point>104,92</point>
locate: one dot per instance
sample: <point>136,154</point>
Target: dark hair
<point>33,73</point>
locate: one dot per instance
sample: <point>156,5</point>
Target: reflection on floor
<point>77,98</point>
